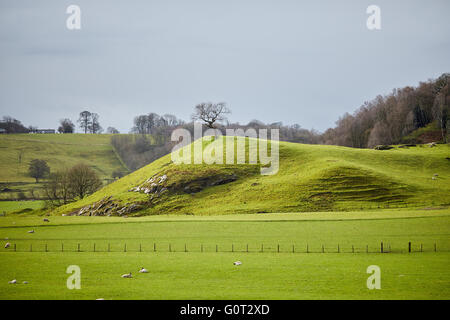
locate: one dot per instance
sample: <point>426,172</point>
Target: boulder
<point>383,147</point>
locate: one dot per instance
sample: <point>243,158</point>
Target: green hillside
<point>59,150</point>
<point>310,178</point>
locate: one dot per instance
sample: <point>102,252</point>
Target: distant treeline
<point>389,119</point>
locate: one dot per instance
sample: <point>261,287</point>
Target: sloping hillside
<point>310,178</point>
<point>59,150</point>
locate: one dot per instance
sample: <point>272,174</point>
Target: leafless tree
<point>83,180</point>
<point>85,121</point>
<point>95,126</point>
<point>210,113</point>
<point>57,189</point>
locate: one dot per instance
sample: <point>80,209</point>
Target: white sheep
<point>126,275</point>
<point>13,281</point>
<point>237,263</point>
<point>143,270</point>
<point>7,245</point>
<point>31,231</point>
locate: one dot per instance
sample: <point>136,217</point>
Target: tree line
<point>388,119</point>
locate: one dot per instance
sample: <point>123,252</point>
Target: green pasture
<point>203,273</point>
<point>59,150</point>
<point>11,206</point>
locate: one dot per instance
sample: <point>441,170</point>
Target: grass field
<point>12,206</point>
<point>211,275</point>
<point>59,150</point>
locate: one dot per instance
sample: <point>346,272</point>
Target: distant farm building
<point>2,131</point>
<point>43,131</point>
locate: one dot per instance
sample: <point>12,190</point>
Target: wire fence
<point>382,247</point>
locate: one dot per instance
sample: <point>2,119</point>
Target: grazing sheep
<point>435,175</point>
<point>13,281</point>
<point>7,245</point>
<point>433,178</point>
<point>237,263</point>
<point>126,275</point>
<point>46,220</point>
<point>143,270</point>
<point>100,299</point>
<point>25,282</point>
<point>31,231</point>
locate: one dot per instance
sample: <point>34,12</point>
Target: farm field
<point>211,275</point>
<point>59,150</point>
<point>12,206</point>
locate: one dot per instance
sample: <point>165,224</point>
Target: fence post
<point>154,247</point>
<point>262,247</point>
<point>78,247</point>
<point>31,247</point>
<point>232,247</point>
<point>140,247</point>
<point>293,248</point>
<point>15,247</point>
<point>307,248</point>
<point>353,249</point>
<point>435,247</point>
<point>323,249</point>
<point>421,248</point>
<point>185,248</point>
<point>170,247</point>
<point>367,248</point>
<point>217,248</point>
<point>278,248</point>
<point>46,248</point>
<point>109,247</point>
<point>247,247</point>
<point>94,246</point>
<point>381,247</point>
<point>339,250</point>
<point>125,248</point>
<point>409,246</point>
<point>62,247</point>
<point>201,246</point>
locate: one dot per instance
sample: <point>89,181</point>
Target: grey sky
<point>290,61</point>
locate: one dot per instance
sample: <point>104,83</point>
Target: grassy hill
<point>310,178</point>
<point>59,150</point>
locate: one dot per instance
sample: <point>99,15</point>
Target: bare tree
<point>85,121</point>
<point>83,180</point>
<point>95,124</point>
<point>210,113</point>
<point>57,188</point>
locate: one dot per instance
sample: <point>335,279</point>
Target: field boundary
<point>410,247</point>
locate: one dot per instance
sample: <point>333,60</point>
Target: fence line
<point>409,247</point>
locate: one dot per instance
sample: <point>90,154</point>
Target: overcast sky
<point>279,60</point>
